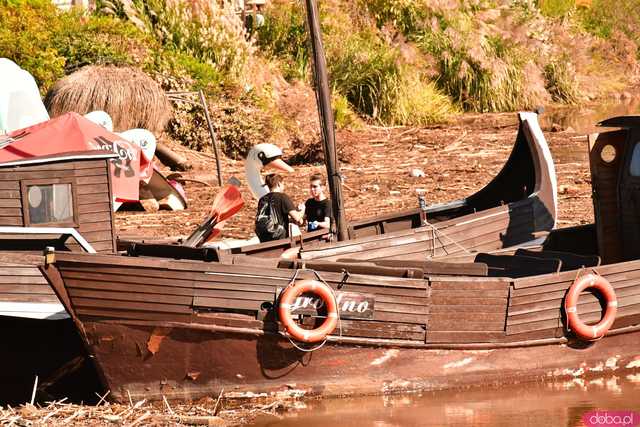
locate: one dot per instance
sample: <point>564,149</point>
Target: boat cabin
<point>61,201</point>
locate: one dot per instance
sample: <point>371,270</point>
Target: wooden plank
<point>15,270</point>
<point>428,267</point>
<point>11,221</point>
<point>28,280</point>
<point>548,301</point>
<point>94,198</point>
<point>372,329</point>
<point>565,276</point>
<point>90,164</point>
<point>85,312</point>
<point>95,217</point>
<point>93,208</point>
<point>495,317</point>
<point>95,226</point>
<point>586,306</point>
<point>438,284</point>
<point>41,298</point>
<point>455,300</point>
<point>88,180</point>
<point>10,203</point>
<point>10,184</point>
<point>456,233</point>
<point>23,174</point>
<point>457,337</point>
<point>113,296</point>
<point>10,194</point>
<point>234,294</point>
<point>12,288</point>
<point>87,189</point>
<point>478,310</point>
<point>133,281</point>
<point>235,304</point>
<point>203,277</point>
<point>631,310</point>
<point>127,305</point>
<point>106,246</point>
<point>558,290</point>
<point>399,317</point>
<point>470,293</point>
<point>11,212</point>
<point>401,308</point>
<point>127,287</point>
<point>96,236</point>
<point>439,324</point>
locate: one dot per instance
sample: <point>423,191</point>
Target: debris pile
<point>207,412</point>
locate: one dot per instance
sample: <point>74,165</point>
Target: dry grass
<point>132,99</point>
<point>208,412</point>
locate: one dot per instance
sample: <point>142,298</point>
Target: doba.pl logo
<point>611,419</point>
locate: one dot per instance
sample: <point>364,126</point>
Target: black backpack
<point>269,225</point>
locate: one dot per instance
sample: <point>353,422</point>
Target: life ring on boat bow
<point>288,297</point>
<point>581,329</point>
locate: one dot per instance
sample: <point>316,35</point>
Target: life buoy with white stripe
<point>288,297</point>
<point>581,329</point>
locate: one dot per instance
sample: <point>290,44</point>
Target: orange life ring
<point>288,297</point>
<point>581,329</point>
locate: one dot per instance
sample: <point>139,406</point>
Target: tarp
<point>72,132</point>
<point>20,102</point>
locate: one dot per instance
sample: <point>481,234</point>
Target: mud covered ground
<point>457,160</point>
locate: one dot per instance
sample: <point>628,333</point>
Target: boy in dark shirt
<point>274,211</point>
<point>317,209</point>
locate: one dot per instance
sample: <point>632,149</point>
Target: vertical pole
<point>212,132</point>
<point>323,98</point>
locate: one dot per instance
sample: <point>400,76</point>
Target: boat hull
<point>147,361</point>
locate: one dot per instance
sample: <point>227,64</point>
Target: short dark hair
<point>316,177</point>
<point>272,180</point>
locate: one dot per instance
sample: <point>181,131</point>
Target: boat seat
<point>430,267</point>
<point>518,266</point>
<point>569,260</point>
<point>353,268</point>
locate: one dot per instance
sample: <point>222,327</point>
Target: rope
<point>291,282</point>
<point>440,233</point>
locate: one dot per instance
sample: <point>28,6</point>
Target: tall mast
<point>323,98</point>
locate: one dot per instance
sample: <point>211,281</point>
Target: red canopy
<point>72,132</point>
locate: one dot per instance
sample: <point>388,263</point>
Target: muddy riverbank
<point>457,160</point>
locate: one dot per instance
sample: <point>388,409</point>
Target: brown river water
<point>534,404</point>
<point>538,404</point>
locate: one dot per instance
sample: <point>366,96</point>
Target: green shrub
<point>408,16</point>
<point>204,31</point>
<point>26,29</point>
<point>95,40</point>
<point>605,16</point>
<point>555,8</point>
<point>420,102</point>
<point>50,43</point>
<point>343,115</point>
<point>284,36</point>
<point>560,81</point>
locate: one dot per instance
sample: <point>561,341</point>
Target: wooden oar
<point>226,204</point>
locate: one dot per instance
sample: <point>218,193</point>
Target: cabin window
<point>634,167</point>
<point>49,203</point>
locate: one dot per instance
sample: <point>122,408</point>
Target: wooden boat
<point>518,205</point>
<point>182,329</point>
<point>40,339</point>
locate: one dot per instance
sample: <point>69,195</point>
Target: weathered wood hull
<point>184,329</point>
<point>190,363</point>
